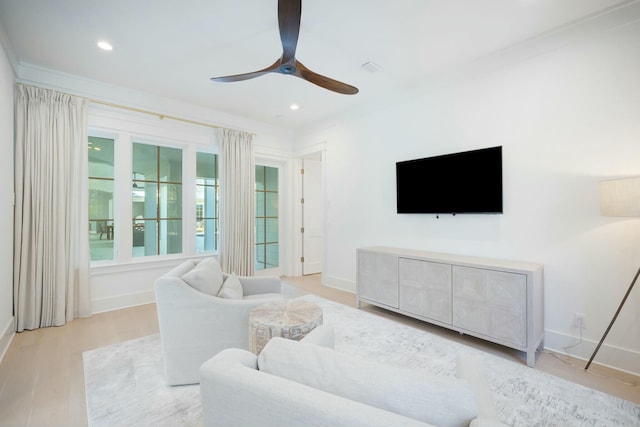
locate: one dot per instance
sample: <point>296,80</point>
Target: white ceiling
<point>172,48</point>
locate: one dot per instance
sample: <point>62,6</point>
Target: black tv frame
<point>466,182</point>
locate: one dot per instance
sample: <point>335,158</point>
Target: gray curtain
<point>237,204</point>
<point>51,241</point>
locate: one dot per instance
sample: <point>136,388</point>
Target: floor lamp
<point>619,197</point>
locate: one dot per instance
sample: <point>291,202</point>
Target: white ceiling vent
<point>371,67</point>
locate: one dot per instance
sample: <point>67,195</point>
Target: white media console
<point>497,300</point>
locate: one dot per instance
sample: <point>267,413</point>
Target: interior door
<point>312,213</point>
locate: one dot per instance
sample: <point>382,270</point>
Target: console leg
<point>531,358</point>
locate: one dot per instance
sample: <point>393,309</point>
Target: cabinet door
<point>425,288</point>
<point>490,302</point>
<point>507,301</point>
<point>378,278</point>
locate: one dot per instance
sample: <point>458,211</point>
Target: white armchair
<point>196,325</point>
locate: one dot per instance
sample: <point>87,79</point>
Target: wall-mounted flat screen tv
<point>459,183</point>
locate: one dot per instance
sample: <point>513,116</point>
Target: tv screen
<point>465,182</point>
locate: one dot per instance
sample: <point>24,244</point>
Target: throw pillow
<point>436,400</point>
<point>206,277</point>
<point>231,288</point>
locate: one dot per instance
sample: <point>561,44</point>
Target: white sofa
<point>304,384</point>
<point>196,322</point>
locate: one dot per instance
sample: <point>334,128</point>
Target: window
<point>267,245</point>
<point>154,192</point>
<point>101,209</point>
<point>206,202</point>
<point>137,205</point>
<point>156,200</point>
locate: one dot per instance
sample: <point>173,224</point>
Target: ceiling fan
<point>289,13</point>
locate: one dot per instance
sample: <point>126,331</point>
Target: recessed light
<point>294,107</point>
<point>105,45</point>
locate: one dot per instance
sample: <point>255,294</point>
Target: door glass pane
<point>260,211</point>
<point>271,179</point>
<point>260,257</point>
<point>266,229</point>
<point>272,255</point>
<point>206,202</point>
<point>260,178</point>
<point>271,206</point>
<point>260,237</point>
<point>271,230</point>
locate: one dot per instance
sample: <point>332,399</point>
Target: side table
<point>292,319</point>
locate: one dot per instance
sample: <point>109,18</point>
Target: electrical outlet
<point>579,321</point>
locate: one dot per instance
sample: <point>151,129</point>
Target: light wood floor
<point>42,380</point>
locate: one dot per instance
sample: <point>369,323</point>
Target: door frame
<point>310,152</point>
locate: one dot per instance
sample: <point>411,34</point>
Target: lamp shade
<point>620,197</point>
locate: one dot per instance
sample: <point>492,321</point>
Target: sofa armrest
<point>253,285</point>
<point>234,393</point>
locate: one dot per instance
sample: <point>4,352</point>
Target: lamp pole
<point>615,316</point>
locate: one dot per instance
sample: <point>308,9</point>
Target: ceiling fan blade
<point>247,76</point>
<point>289,14</point>
<point>323,81</point>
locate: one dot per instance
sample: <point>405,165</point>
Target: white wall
<point>7,80</point>
<point>566,119</point>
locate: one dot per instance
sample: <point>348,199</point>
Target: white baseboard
<point>611,356</point>
<point>338,283</point>
<point>8,331</point>
<point>122,301</point>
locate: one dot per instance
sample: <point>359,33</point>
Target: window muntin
<point>207,190</point>
<point>101,200</point>
<point>156,200</point>
<point>267,232</point>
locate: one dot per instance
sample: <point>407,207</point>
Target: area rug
<point>125,386</point>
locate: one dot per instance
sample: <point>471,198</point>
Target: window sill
<point>110,267</point>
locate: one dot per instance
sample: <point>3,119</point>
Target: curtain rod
<point>161,116</point>
<point>140,110</point>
